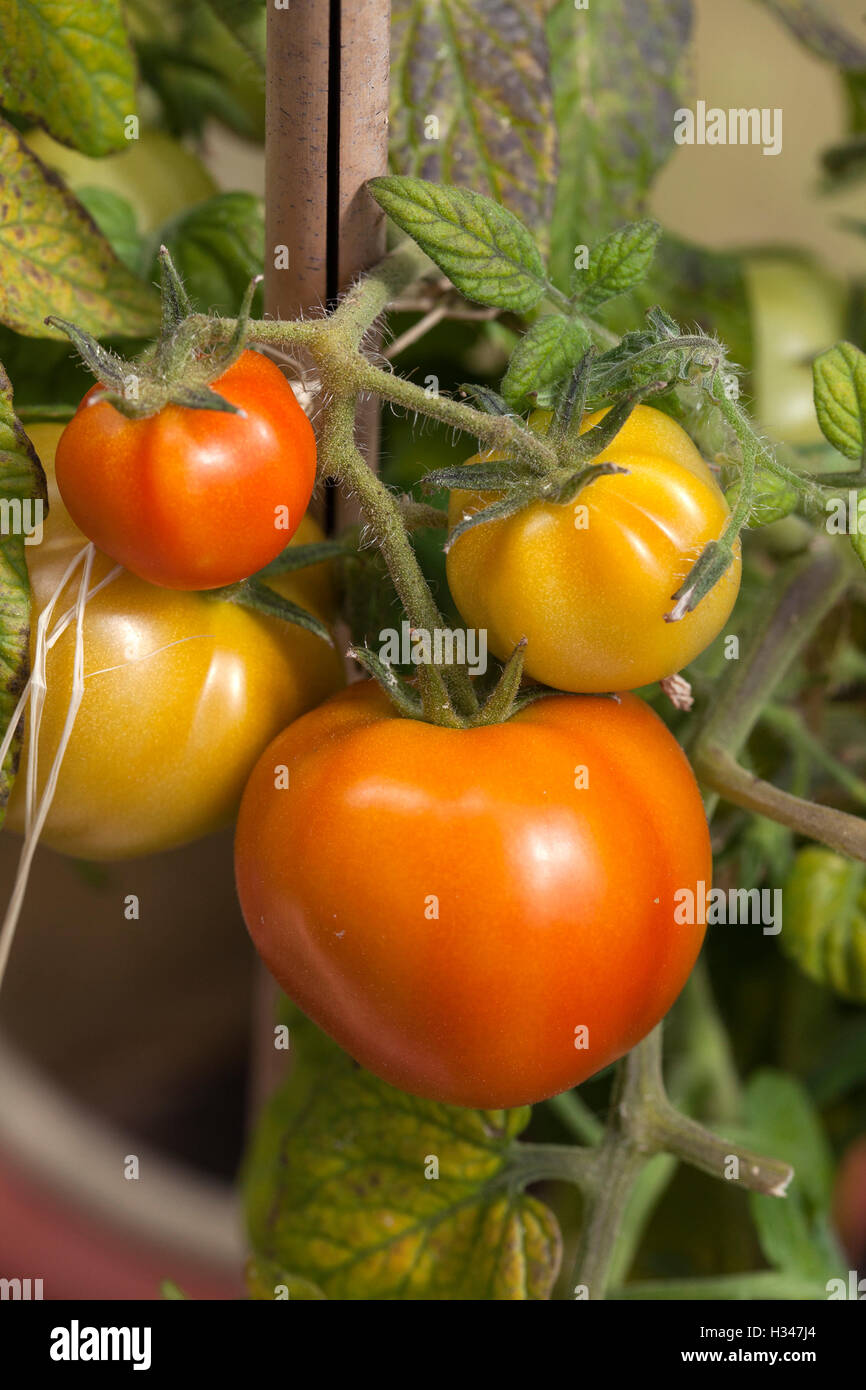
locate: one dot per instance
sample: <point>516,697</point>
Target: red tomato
<point>193,499</point>
<point>455,907</point>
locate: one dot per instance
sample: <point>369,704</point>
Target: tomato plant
<point>192,498</point>
<point>482,875</point>
<point>182,692</point>
<point>588,583</point>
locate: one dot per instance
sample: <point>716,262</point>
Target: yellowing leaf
<point>342,1191</point>
<point>55,261</point>
<point>67,65</point>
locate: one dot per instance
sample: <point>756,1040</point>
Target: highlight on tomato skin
<point>189,498</point>
<point>588,584</point>
<point>482,917</point>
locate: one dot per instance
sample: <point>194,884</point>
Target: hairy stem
<point>447,694</point>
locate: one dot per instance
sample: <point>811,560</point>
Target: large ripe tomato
<point>193,499</point>
<point>455,906</point>
<point>588,583</point>
<point>182,693</point>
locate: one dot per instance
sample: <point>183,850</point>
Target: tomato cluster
<point>482,915</point>
<point>182,693</point>
<point>500,921</point>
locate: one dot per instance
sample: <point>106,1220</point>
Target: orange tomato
<point>193,499</point>
<point>483,917</point>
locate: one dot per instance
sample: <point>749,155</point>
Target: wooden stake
<point>327,133</point>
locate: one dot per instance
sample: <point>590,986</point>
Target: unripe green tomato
<point>797,311</point>
<point>824,927</point>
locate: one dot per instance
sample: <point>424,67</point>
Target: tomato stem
<point>447,695</point>
<point>805,592</point>
<point>643,1124</point>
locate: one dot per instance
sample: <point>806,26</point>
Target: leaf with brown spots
<point>339,1191</point>
<point>67,64</point>
<point>619,74</point>
<point>481,69</point>
<point>22,482</point>
<point>54,260</point>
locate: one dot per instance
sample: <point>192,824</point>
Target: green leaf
<point>825,920</point>
<point>217,247</point>
<point>67,65</point>
<point>795,1233</point>
<point>546,353</point>
<point>336,1190</point>
<point>298,557</point>
<point>617,264</point>
<point>483,249</point>
<point>696,286</point>
<point>618,77</point>
<point>260,598</point>
<point>840,397</point>
<point>811,22</point>
<point>55,261</point>
<point>21,480</point>
<point>246,20</point>
<point>115,218</point>
<point>480,68</point>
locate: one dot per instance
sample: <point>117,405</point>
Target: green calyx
<point>176,369</point>
<point>570,465</point>
<point>429,699</point>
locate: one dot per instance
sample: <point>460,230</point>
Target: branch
<point>804,594</point>
<point>643,1123</point>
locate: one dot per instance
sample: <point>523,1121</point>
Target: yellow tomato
<point>181,694</point>
<point>588,582</point>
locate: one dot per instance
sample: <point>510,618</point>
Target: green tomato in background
<point>157,176</point>
<point>797,311</point>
